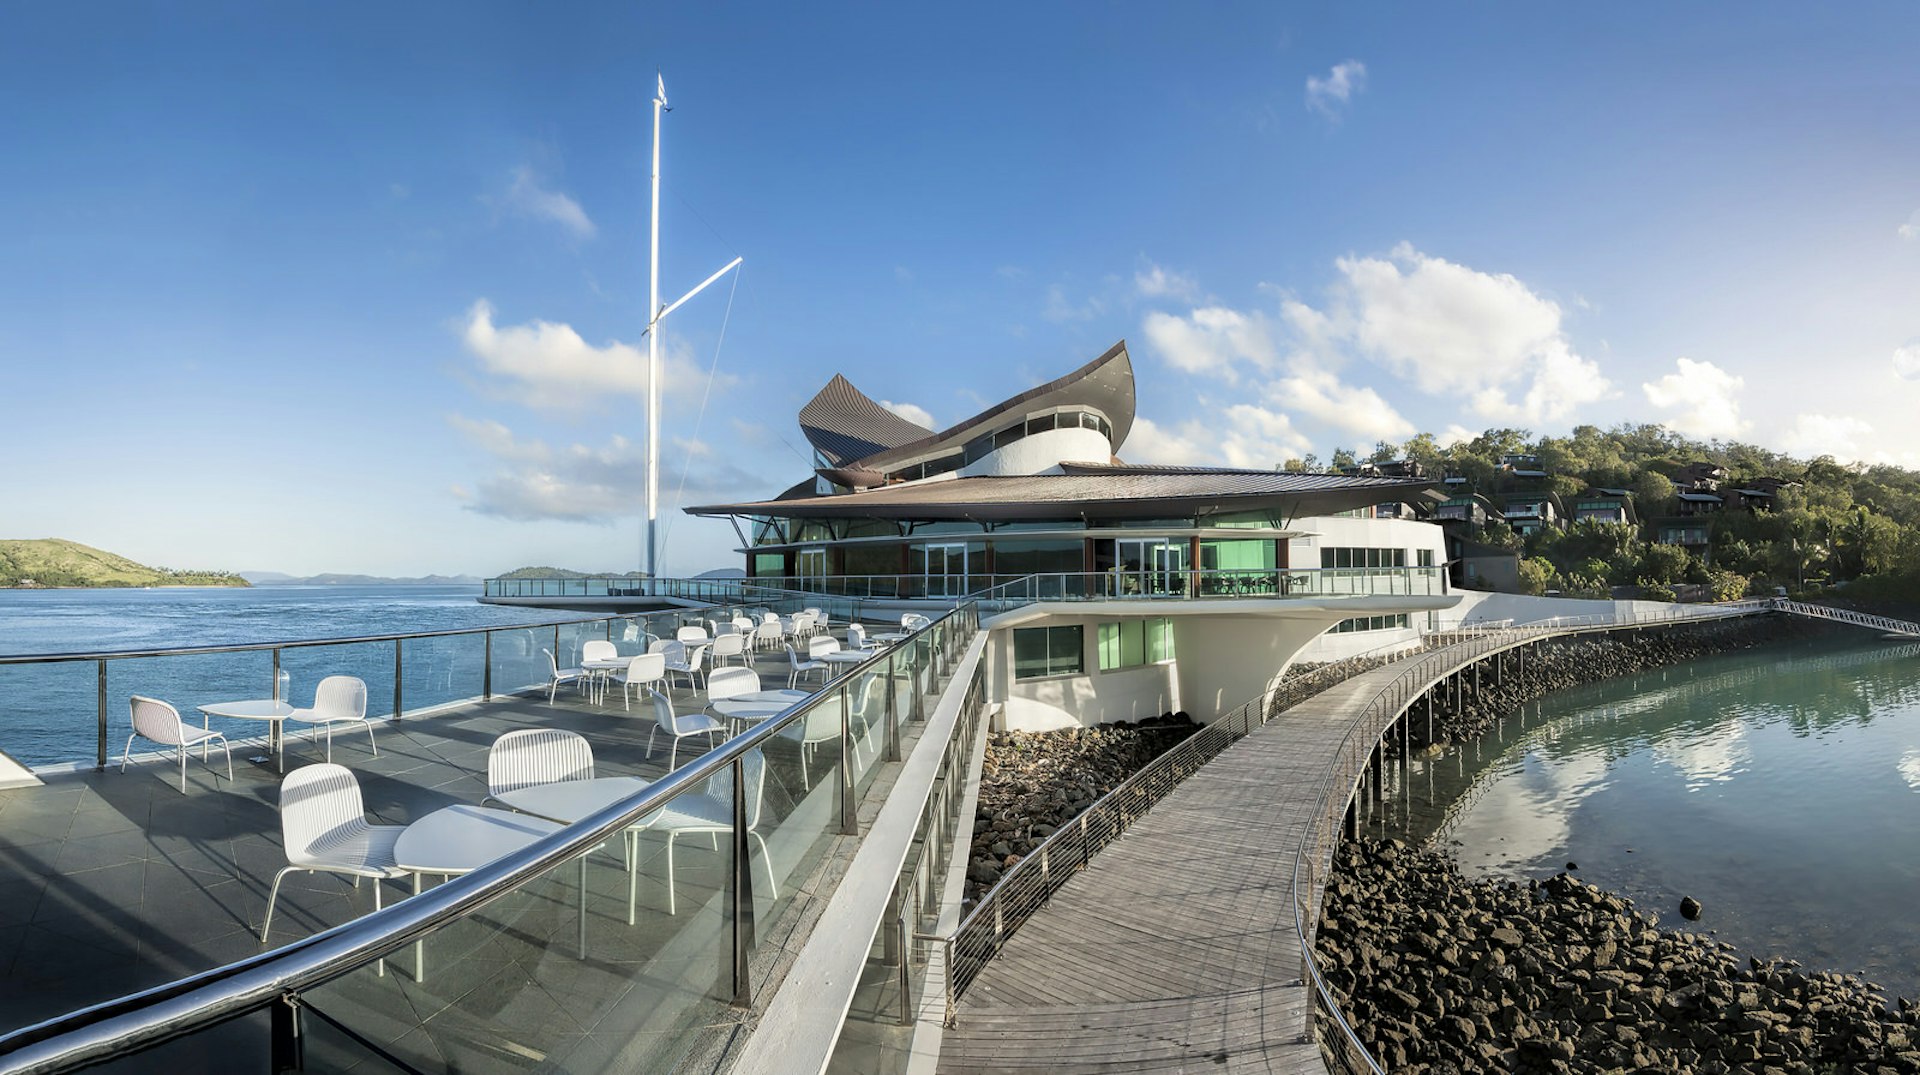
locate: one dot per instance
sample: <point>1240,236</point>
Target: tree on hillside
<point>1343,458</point>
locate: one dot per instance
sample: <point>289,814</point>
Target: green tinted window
<point>1046,651</point>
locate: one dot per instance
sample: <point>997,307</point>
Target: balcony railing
<point>345,995</point>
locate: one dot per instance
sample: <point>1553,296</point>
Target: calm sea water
<point>1779,788</point>
<point>49,712</point>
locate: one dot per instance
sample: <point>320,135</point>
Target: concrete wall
<point>1329,531</point>
<point>1094,697</point>
<point>1476,607</point>
<point>1042,451</point>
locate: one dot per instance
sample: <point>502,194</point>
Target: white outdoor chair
<point>743,624</point>
<point>598,649</point>
<point>155,720</point>
<point>820,725</point>
<point>631,633</point>
<point>530,757</point>
<point>856,637</point>
<point>642,671</point>
<point>768,635</point>
<point>725,649</point>
<point>913,621</point>
<point>337,700</point>
<point>822,645</point>
<point>711,813</point>
<point>691,634</point>
<point>797,667</point>
<point>725,683</point>
<point>324,826</point>
<point>688,664</point>
<point>575,676</point>
<point>679,726</point>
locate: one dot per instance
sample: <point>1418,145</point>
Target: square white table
<point>271,710</point>
<point>458,840</point>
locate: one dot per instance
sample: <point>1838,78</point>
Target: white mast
<point>655,314</point>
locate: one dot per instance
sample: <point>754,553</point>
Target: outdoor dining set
<point>541,779</point>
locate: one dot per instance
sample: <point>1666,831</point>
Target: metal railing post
<point>892,717</point>
<point>287,1051</point>
<point>849,819</point>
<point>486,667</point>
<point>100,744</point>
<point>739,899</point>
<point>397,645</point>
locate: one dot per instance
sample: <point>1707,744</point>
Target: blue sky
<point>355,289</point>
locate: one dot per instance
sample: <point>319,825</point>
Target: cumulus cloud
<point>1321,395</point>
<point>1910,231</point>
<point>1453,330</point>
<point>1247,436</point>
<point>533,480</point>
<point>547,365</point>
<point>527,197</point>
<point>1157,282</point>
<point>1211,340</point>
<point>1906,360</point>
<point>1700,399</point>
<point>1329,96</point>
<point>916,414</point>
<point>1840,436</point>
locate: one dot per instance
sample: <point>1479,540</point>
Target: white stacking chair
<point>820,725</point>
<point>678,726</point>
<point>767,636</point>
<point>688,664</point>
<point>530,757</point>
<point>913,621</point>
<point>723,683</point>
<point>856,637</point>
<point>822,645</point>
<point>324,826</point>
<point>644,670</point>
<point>575,676</point>
<point>743,624</point>
<point>710,813</point>
<point>598,649</point>
<point>158,721</point>
<point>337,700</point>
<point>797,667</point>
<point>691,634</point>
<point>725,648</point>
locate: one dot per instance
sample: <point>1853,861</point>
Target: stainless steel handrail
<point>163,1013</point>
<point>298,643</point>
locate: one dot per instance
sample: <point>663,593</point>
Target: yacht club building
<point>1159,587</point>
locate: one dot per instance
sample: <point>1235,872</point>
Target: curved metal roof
<point>844,424</point>
<point>1105,384</point>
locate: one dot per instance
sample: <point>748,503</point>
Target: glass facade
<point>1252,554</point>
<point>1358,557</point>
<point>1371,623</point>
<point>1037,557</point>
<point>1047,651</point>
<point>1133,643</point>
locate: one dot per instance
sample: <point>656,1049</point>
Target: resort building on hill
<point>1160,587</point>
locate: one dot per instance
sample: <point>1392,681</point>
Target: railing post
<point>486,668</point>
<point>396,678</point>
<point>849,816</point>
<point>287,1051</point>
<point>739,896</point>
<point>892,716</point>
<point>100,740</point>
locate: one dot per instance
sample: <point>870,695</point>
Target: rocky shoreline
<point>1556,664</point>
<point>1031,783</point>
<point>1442,975</point>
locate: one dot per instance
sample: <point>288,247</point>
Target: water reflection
<point>1759,783</point>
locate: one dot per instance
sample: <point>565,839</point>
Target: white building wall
<point>1343,532</point>
<point>1041,452</point>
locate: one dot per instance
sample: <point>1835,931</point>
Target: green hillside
<point>53,562</point>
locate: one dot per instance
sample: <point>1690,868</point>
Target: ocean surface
<point>51,710</point>
<point>1780,788</point>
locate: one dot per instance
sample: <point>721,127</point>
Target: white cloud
<point>1906,360</point>
<point>1454,434</point>
<point>1156,282</point>
<point>1211,340</point>
<point>526,196</point>
<point>916,414</point>
<point>1823,434</point>
<point>547,365</point>
<point>1320,395</point>
<point>1910,231</point>
<point>1059,309</point>
<point>1700,398</point>
<point>1454,330</point>
<point>533,480</point>
<point>1329,96</point>
<point>1250,437</point>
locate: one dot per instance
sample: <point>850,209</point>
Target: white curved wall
<point>1040,452</point>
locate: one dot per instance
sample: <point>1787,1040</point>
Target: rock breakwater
<point>1440,974</point>
<point>1556,664</point>
<point>1031,783</point>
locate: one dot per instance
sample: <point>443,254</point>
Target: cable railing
<point>1339,788</point>
<point>507,930</point>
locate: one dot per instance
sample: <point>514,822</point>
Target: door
<point>946,571</point>
<point>811,564</point>
<point>1150,566</point>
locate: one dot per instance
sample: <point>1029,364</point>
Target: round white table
<point>459,840</point>
<point>755,706</point>
<point>569,801</point>
<point>271,710</point>
<point>601,669</point>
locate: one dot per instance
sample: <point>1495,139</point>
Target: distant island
<point>48,563</point>
<point>334,578</point>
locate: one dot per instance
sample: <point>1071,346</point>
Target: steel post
<point>396,678</point>
<point>100,744</point>
<point>486,668</point>
<point>739,895</point>
<point>849,818</point>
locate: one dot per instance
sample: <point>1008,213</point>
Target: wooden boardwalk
<point>1175,950</point>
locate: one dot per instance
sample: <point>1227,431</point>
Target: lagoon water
<point>49,712</point>
<point>1781,788</point>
